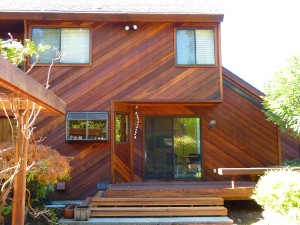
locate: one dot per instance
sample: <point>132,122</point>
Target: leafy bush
<point>279,192</point>
<point>48,167</point>
<point>293,162</point>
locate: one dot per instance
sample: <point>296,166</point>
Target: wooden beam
<point>18,82</point>
<point>251,170</point>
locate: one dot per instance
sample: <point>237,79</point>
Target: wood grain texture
<point>290,147</point>
<point>132,68</point>
<point>18,82</point>
<point>179,189</point>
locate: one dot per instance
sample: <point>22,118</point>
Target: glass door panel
<point>186,134</point>
<point>172,148</point>
<point>159,147</point>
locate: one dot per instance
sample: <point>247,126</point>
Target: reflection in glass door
<point>173,148</point>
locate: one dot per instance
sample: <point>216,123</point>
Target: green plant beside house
<point>278,192</point>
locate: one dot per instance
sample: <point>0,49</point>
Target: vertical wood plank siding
<point>139,67</point>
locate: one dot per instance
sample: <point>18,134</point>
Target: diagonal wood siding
<point>138,67</point>
<point>126,65</point>
<point>290,147</point>
<point>242,136</point>
<point>131,65</point>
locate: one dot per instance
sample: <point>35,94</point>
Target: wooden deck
<point>161,199</point>
<point>242,191</point>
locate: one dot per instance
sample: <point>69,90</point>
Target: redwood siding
<point>290,147</point>
<point>136,68</point>
<point>126,65</point>
<point>242,136</point>
<point>132,65</point>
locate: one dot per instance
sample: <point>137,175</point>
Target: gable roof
<point>109,7</point>
<point>242,87</point>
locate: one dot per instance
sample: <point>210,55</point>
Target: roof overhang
<point>111,17</point>
<point>16,81</point>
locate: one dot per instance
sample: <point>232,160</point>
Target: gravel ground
<point>244,212</point>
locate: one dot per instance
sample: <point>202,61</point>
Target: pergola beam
<point>18,82</point>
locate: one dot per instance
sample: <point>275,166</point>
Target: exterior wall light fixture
<point>132,27</point>
<point>212,124</point>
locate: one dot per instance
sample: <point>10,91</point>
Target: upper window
<point>74,43</point>
<point>195,47</point>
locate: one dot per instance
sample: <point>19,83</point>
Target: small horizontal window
<point>195,47</point>
<point>73,43</point>
<point>87,126</point>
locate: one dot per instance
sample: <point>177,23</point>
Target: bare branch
<point>33,64</point>
<point>8,169</point>
<point>59,56</point>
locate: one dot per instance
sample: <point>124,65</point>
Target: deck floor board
<point>242,191</point>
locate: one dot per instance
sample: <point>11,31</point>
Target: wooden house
<point>147,96</point>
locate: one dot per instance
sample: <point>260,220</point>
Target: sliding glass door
<point>173,148</point>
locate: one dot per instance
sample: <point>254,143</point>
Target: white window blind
<point>195,47</point>
<point>75,44</point>
<point>205,51</point>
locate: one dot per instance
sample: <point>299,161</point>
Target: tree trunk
<point>19,193</point>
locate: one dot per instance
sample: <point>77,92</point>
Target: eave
<point>112,17</point>
<point>16,81</point>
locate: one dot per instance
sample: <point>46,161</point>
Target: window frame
<point>87,128</point>
<point>31,27</point>
<point>216,59</point>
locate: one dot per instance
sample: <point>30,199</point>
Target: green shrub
<point>293,162</point>
<point>279,192</point>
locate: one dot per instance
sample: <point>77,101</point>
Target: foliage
<point>10,166</point>
<point>91,124</point>
<point>48,168</point>
<point>282,100</point>
<point>279,192</point>
<point>293,162</point>
<point>16,53</point>
<point>7,210</point>
<point>53,217</point>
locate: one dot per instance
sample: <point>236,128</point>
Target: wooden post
<point>19,193</point>
<point>233,182</point>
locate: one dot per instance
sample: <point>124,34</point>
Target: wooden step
<point>158,211</point>
<point>208,201</point>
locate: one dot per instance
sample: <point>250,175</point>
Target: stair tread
<point>157,201</point>
<point>159,211</point>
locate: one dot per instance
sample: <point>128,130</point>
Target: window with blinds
<point>74,43</point>
<point>195,47</point>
